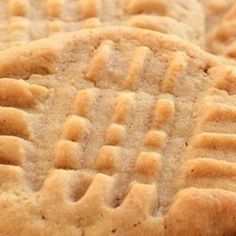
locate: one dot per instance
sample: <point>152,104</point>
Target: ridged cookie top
<point>116,131</point>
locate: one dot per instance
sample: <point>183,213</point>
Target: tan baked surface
<point>26,20</point>
<point>116,132</point>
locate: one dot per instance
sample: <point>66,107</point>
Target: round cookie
<point>114,131</point>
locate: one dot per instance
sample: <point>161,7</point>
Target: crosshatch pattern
<point>133,138</point>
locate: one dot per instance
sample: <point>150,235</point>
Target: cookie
<point>221,40</point>
<point>214,11</point>
<point>26,20</point>
<point>116,131</point>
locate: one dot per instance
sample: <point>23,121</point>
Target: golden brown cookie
<point>115,131</point>
<point>27,20</point>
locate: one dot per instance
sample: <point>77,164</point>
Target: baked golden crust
<point>26,20</point>
<point>116,132</point>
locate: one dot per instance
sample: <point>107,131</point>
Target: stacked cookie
<point>27,20</point>
<point>114,118</point>
<point>222,35</point>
